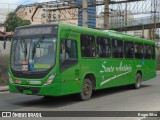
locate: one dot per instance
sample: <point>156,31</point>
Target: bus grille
<point>34,90</point>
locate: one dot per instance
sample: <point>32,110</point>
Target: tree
<point>14,21</point>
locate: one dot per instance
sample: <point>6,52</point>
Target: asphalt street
<point>147,98</point>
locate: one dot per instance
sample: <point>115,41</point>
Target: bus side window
<point>68,50</point>
<point>138,48</point>
<point>68,54</point>
<point>147,51</point>
<point>88,46</point>
<point>117,48</point>
<point>153,51</point>
<point>103,47</point>
<point>129,49</point>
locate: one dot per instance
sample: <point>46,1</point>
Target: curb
<point>4,88</point>
<point>158,72</point>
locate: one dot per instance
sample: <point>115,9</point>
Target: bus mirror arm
<point>4,44</point>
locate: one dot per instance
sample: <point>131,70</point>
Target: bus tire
<point>87,90</point>
<point>47,97</point>
<point>137,84</point>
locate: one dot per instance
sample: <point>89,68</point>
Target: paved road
<point>118,99</point>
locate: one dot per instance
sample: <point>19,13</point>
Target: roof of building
<point>5,35</point>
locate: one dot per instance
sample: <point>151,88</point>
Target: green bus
<point>60,59</point>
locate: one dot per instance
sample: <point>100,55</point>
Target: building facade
<point>91,14</point>
<point>39,15</point>
<point>116,18</point>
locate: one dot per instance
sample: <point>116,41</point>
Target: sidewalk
<point>158,72</point>
<point>4,88</point>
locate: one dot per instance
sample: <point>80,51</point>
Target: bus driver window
<point>63,51</point>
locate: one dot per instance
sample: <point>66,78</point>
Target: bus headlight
<point>10,78</point>
<point>50,79</point>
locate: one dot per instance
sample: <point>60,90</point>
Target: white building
<point>2,27</point>
<point>117,18</point>
<point>38,15</point>
<point>140,33</point>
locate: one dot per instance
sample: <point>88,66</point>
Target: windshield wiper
<point>35,46</point>
<point>24,47</point>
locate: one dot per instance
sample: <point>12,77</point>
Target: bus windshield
<point>33,53</point>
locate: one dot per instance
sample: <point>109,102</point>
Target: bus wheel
<point>47,97</point>
<point>138,81</point>
<point>87,90</point>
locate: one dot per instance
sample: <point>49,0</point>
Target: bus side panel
<point>105,73</point>
<point>70,77</point>
<point>71,80</point>
<point>124,70</point>
<point>95,66</point>
<point>149,69</point>
<point>116,72</point>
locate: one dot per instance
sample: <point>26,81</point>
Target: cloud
<point>11,1</point>
<point>44,0</point>
<point>19,2</point>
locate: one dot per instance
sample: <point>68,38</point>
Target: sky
<point>10,5</point>
<point>18,2</point>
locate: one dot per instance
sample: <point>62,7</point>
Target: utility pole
<point>154,17</point>
<point>84,14</point>
<point>106,14</point>
<point>126,16</point>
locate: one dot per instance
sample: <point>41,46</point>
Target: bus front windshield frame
<point>33,54</point>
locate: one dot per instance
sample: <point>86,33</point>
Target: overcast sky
<point>18,2</point>
<point>9,5</point>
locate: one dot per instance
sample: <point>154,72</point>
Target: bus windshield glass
<point>33,53</point>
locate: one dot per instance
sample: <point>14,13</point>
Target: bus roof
<point>108,33</point>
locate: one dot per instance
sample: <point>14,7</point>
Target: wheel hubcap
<point>86,89</point>
<point>138,81</point>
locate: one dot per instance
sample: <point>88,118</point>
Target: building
<point>116,18</point>
<point>50,15</point>
<point>6,35</point>
<point>91,13</point>
<point>140,33</point>
<point>2,27</point>
<point>38,14</point>
<point>121,15</point>
<point>30,13</point>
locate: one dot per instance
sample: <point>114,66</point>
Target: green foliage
<point>14,21</point>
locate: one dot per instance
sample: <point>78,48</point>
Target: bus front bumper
<point>45,90</point>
